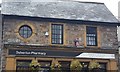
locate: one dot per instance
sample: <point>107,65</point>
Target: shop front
<point>23,63</point>
<point>45,65</point>
<point>20,59</point>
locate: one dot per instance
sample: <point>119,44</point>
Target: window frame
<point>30,24</point>
<point>96,36</point>
<point>22,28</point>
<point>62,34</point>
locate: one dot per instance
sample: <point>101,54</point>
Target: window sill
<point>92,47</point>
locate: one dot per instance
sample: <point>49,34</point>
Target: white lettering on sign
<point>30,53</point>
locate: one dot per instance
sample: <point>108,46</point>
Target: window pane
<point>25,31</point>
<point>57,34</point>
<point>103,67</point>
<point>65,66</point>
<point>45,66</point>
<point>85,66</point>
<point>22,65</point>
<point>91,36</point>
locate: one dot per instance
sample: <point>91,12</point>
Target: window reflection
<point>45,66</point>
<point>85,66</point>
<point>65,66</point>
<point>22,65</point>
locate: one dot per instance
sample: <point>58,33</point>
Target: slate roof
<point>72,10</point>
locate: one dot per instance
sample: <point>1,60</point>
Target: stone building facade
<point>59,34</point>
<point>72,31</point>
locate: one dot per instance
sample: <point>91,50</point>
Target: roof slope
<point>61,10</point>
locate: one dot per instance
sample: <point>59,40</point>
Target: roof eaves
<point>64,20</point>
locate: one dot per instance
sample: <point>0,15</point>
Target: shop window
<point>85,66</point>
<point>103,67</point>
<point>22,65</point>
<point>45,66</point>
<point>25,31</point>
<point>91,36</point>
<point>57,33</point>
<point>65,66</point>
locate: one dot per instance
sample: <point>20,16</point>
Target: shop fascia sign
<point>18,52</point>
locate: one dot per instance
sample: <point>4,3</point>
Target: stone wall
<point>108,36</point>
<point>0,40</point>
<point>10,35</point>
<point>74,31</point>
<point>107,33</point>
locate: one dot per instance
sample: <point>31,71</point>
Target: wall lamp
<point>46,34</point>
